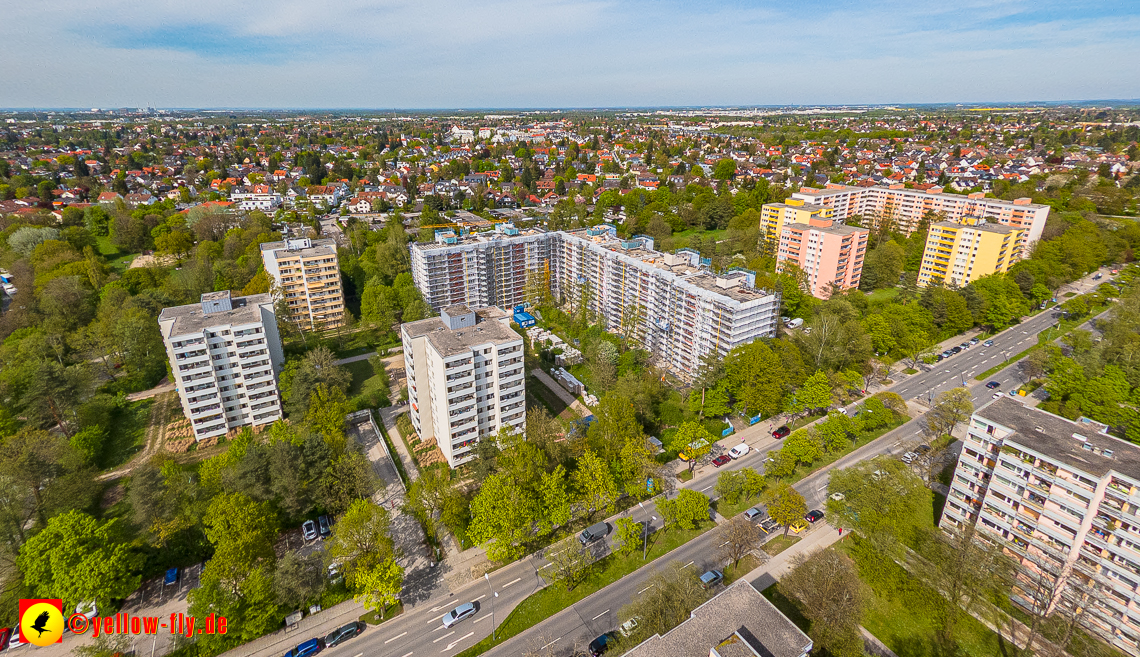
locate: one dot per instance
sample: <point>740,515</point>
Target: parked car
<point>309,530</point>
<point>755,513</point>
<point>629,627</point>
<point>909,457</point>
<point>593,533</point>
<point>964,345</point>
<point>1097,276</point>
<point>711,578</point>
<point>6,636</point>
<point>310,647</point>
<point>997,394</point>
<point>947,354</point>
<point>782,432</point>
<point>739,450</point>
<point>769,523</point>
<point>1014,392</point>
<point>973,341</point>
<point>462,612</point>
<point>814,516</point>
<point>922,449</point>
<point>721,460</point>
<point>324,525</point>
<point>599,645</point>
<point>798,526</point>
<point>993,384</point>
<point>340,635</point>
<point>988,343</point>
<point>956,350</point>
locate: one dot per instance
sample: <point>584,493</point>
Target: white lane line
<point>645,589</point>
<point>477,620</point>
<point>480,598</point>
<point>723,544</point>
<point>408,655</point>
<point>435,609</point>
<point>359,654</point>
<point>688,564</point>
<point>443,637</point>
<point>546,566</point>
<point>705,488</point>
<point>600,615</point>
<point>513,581</point>
<point>441,627</point>
<point>551,643</point>
<point>393,638</point>
<point>455,642</point>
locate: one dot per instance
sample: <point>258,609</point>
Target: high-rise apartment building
<point>668,302</point>
<point>465,377</point>
<point>1062,499</point>
<point>957,253</point>
<point>828,252</point>
<point>225,355</point>
<point>774,216</point>
<point>308,275</point>
<point>905,208</point>
<point>482,269</point>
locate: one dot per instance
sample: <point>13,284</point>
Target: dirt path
<point>155,436</point>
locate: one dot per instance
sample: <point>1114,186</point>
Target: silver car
<point>463,611</point>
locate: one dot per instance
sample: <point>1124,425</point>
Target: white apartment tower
<point>482,269</point>
<point>466,378</point>
<point>308,275</point>
<point>225,355</point>
<point>1061,498</point>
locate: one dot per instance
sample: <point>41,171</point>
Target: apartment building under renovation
<point>482,269</point>
<point>670,303</point>
<point>905,208</point>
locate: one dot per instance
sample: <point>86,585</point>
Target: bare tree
<point>540,645</point>
<point>569,560</point>
<point>967,570</point>
<point>673,592</point>
<point>826,584</point>
<point>949,409</point>
<point>738,537</point>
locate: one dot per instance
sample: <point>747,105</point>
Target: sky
<point>562,53</point>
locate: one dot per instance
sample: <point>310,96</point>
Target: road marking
<point>408,655</point>
<point>392,639</point>
<point>705,488</point>
<point>600,615</point>
<point>443,637</point>
<point>513,581</point>
<point>645,589</point>
<point>479,598</point>
<point>551,643</point>
<point>437,618</point>
<point>453,643</point>
<point>481,619</point>
<point>546,566</point>
<point>360,654</point>
<point>435,609</point>
<point>723,544</point>
<point>688,564</point>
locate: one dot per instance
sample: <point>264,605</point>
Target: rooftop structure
<point>738,622</point>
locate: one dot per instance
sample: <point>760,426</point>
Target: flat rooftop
<point>322,247</point>
<point>484,237</point>
<point>490,328</point>
<point>835,189</point>
<point>741,609</point>
<point>191,319</point>
<point>1052,436</point>
<point>985,228</point>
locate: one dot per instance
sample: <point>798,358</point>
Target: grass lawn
<point>686,475</point>
<point>746,565</point>
<point>731,510</point>
<point>540,394</point>
<point>883,295</point>
<point>902,611</point>
<point>373,618</point>
<point>361,371</point>
<point>780,543</point>
<point>554,598</point>
<point>127,435</point>
<point>116,259</point>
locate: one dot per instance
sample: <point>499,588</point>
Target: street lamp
<point>487,576</point>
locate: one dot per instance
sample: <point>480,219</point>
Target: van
<point>795,323</point>
<point>593,533</point>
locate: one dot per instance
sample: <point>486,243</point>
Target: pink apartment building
<point>827,251</point>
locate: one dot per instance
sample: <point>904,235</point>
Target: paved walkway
<point>563,394</point>
<point>163,386</point>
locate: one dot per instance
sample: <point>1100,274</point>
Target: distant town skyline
<point>443,54</point>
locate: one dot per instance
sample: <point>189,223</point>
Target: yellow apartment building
<point>773,216</point>
<point>308,275</point>
<point>958,253</point>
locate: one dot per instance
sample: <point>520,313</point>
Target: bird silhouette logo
<point>41,622</point>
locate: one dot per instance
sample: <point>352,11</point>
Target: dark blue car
<point>310,647</point>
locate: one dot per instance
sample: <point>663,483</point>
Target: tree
<point>950,408</point>
<point>725,169</point>
<point>967,570</point>
<point>692,508</point>
<point>360,539</point>
<point>556,498</point>
<point>105,645</point>
<point>615,424</point>
<point>298,578</point>
<point>243,532</point>
<point>883,499</point>
<point>301,377</point>
<point>692,439</point>
<point>628,535</point>
<point>737,538</point>
<point>348,478</point>
<point>730,485</point>
<point>33,459</point>
<point>595,484</point>
<point>915,345</point>
<point>756,378</point>
<point>781,463</point>
<point>380,586</point>
<point>569,561</point>
<point>76,559</point>
<point>826,585</point>
<point>672,594</point>
<point>503,515</point>
<point>805,445</point>
<point>328,408</point>
<point>785,504</point>
<point>814,394</point>
<point>754,483</point>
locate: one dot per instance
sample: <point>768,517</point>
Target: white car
<point>909,457</point>
<point>997,394</point>
<point>461,612</point>
<point>739,450</point>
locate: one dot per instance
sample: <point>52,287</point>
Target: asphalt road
<point>420,632</point>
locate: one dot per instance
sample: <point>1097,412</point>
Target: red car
<point>721,460</point>
<point>782,432</point>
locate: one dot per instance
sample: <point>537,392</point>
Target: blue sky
<point>562,53</point>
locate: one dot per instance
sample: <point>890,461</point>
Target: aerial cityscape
<point>671,341</point>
